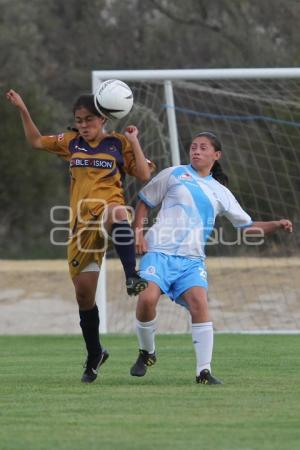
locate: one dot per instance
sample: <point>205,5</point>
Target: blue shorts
<point>173,274</point>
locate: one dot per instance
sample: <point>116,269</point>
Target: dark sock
<point>123,239</point>
<point>89,322</point>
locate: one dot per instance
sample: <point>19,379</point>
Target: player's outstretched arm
<point>141,214</point>
<point>270,227</point>
<point>143,170</point>
<point>32,134</point>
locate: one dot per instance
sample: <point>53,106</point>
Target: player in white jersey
<point>191,196</point>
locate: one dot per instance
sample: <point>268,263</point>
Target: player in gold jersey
<point>98,164</point>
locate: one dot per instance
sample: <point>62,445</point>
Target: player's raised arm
<point>32,134</point>
<point>143,171</point>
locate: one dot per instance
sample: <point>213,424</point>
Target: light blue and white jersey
<point>190,204</point>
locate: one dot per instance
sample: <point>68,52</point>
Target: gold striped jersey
<point>97,171</point>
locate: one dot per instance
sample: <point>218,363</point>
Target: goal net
<point>253,286</point>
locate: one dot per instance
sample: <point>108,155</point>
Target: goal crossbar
<point>197,74</point>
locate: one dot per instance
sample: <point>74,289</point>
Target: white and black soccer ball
<point>113,99</point>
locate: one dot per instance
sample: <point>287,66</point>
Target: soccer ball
<point>113,99</point>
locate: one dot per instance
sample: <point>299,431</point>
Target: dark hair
<point>86,101</point>
<point>216,170</point>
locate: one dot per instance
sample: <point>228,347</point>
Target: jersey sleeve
<point>129,158</point>
<point>234,212</point>
<point>154,192</point>
<point>58,144</point>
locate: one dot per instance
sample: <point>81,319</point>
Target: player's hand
<point>15,99</point>
<point>141,245</point>
<point>131,132</point>
<point>286,225</point>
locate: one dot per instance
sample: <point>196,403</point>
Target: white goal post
<point>243,106</point>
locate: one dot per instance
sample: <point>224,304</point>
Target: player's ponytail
<point>216,170</point>
<point>218,174</point>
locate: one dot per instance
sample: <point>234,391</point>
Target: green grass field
<point>44,405</point>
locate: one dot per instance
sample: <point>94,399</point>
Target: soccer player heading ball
<point>191,196</point>
<point>98,164</point>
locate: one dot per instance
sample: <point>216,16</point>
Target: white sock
<point>146,333</point>
<point>203,340</point>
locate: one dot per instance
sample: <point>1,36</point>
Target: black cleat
<point>135,284</point>
<point>206,377</point>
<point>143,361</point>
<point>92,367</point>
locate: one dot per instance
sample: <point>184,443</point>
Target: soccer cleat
<point>206,377</point>
<point>135,284</point>
<point>143,361</point>
<point>92,366</point>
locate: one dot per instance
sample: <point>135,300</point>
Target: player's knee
<point>146,303</point>
<point>85,298</point>
<point>197,306</point>
<point>118,213</point>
